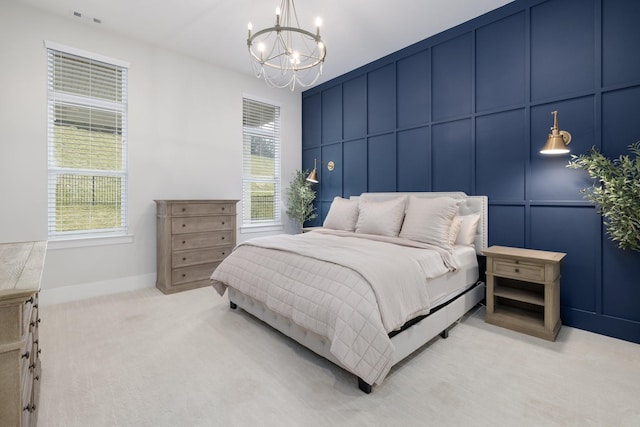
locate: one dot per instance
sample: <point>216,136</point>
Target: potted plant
<point>300,197</point>
<point>616,192</point>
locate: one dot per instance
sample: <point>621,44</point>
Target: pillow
<point>454,230</point>
<point>428,220</point>
<point>467,233</point>
<point>343,214</point>
<point>380,217</point>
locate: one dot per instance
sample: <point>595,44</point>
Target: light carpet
<point>142,358</point>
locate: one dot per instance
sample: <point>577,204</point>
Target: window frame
<point>249,226</point>
<point>60,99</point>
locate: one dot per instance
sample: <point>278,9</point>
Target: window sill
<point>80,242</point>
<point>260,228</point>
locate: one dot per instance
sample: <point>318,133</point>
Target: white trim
<point>263,100</point>
<point>79,52</point>
<point>80,241</point>
<point>260,228</point>
<point>96,289</point>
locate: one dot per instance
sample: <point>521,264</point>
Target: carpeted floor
<point>146,359</point>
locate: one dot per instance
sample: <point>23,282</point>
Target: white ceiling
<point>355,32</point>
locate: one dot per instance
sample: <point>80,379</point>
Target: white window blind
<point>87,141</point>
<point>261,163</point>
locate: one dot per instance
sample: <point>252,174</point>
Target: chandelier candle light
<point>286,55</point>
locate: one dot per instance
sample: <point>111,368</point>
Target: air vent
<point>85,18</point>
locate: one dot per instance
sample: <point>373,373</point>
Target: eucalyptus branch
<point>616,192</point>
<point>300,197</point>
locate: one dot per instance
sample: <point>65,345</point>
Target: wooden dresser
<point>193,237</point>
<point>20,272</point>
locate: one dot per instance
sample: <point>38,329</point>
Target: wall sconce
<point>313,176</point>
<point>558,139</point>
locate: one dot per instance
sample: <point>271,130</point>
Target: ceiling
<point>355,32</point>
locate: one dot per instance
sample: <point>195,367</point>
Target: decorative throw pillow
<point>380,217</point>
<point>467,233</point>
<point>343,214</point>
<point>454,230</point>
<point>428,220</point>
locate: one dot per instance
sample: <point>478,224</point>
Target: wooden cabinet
<point>193,236</point>
<point>20,272</point>
<point>523,290</point>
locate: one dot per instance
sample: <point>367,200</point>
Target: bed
<point>387,273</point>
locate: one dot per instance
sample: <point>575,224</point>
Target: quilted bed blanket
<point>352,289</point>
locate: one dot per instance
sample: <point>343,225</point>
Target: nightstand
<point>523,290</point>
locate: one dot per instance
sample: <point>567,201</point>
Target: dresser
<point>193,237</point>
<point>21,267</point>
<point>523,290</point>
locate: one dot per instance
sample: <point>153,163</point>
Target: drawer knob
<point>29,301</point>
<point>223,253</point>
<point>223,208</point>
<point>222,237</point>
<point>32,366</point>
<point>222,222</point>
<point>29,408</point>
<point>517,270</point>
<point>184,275</point>
<point>26,355</point>
<point>184,225</point>
<point>184,209</point>
<point>183,242</point>
<point>184,258</point>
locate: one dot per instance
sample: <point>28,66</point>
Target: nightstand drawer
<point>518,269</point>
<point>199,256</point>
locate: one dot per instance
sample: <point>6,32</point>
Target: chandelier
<point>285,54</point>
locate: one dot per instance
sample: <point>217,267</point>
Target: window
<point>261,164</point>
<point>87,141</point>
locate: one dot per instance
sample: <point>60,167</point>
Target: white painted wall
<point>185,141</point>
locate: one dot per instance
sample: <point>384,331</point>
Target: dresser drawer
<point>195,209</point>
<point>192,273</point>
<point>199,256</point>
<point>201,240</point>
<point>518,269</point>
<point>198,224</point>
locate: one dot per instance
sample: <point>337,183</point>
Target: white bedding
<point>354,305</point>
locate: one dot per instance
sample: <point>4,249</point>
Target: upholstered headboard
<point>472,204</point>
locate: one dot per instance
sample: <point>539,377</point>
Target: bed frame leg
<point>233,305</point>
<point>445,334</point>
<point>362,385</point>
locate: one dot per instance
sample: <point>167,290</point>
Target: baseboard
<point>96,289</point>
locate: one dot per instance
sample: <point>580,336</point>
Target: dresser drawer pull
<point>29,408</point>
<point>184,241</point>
<point>184,209</point>
<point>26,355</point>
<point>222,237</point>
<point>32,324</point>
<point>222,222</point>
<point>29,301</point>
<point>184,225</point>
<point>223,208</point>
<point>517,270</point>
<point>184,275</point>
<point>184,258</point>
<point>223,253</point>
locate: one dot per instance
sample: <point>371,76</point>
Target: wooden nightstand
<point>523,290</point>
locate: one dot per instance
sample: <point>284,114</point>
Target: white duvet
<point>352,289</point>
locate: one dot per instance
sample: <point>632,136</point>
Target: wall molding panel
<point>469,109</point>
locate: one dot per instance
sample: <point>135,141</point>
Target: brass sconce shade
<point>313,176</point>
<point>558,139</point>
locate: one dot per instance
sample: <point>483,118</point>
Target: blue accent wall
<point>469,110</point>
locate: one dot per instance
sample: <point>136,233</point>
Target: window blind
<point>261,163</point>
<point>87,146</point>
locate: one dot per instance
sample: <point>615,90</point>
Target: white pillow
<point>428,220</point>
<point>343,214</point>
<point>454,230</point>
<point>467,233</point>
<point>380,217</point>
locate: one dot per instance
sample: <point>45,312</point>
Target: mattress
<point>443,288</point>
